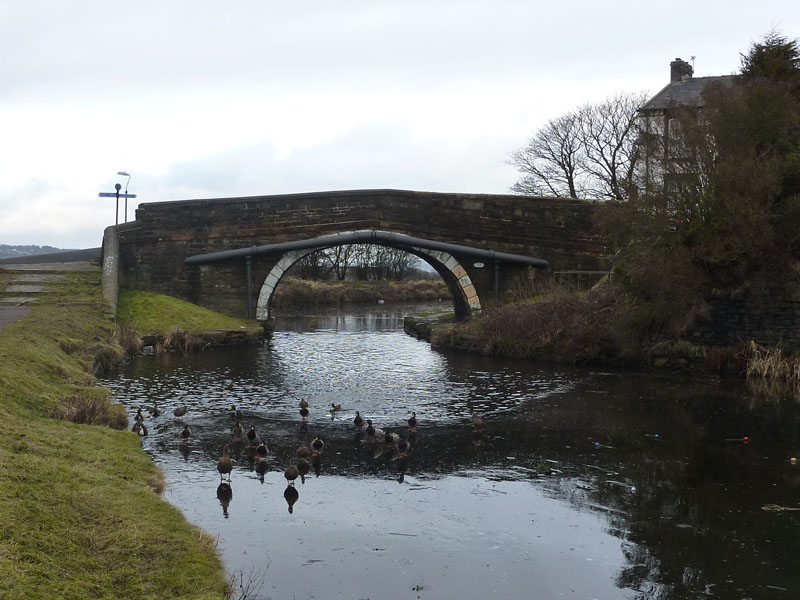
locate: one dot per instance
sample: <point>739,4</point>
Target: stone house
<point>665,165</point>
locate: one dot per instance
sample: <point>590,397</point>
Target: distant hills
<point>7,251</point>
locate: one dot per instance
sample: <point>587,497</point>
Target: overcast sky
<point>207,99</point>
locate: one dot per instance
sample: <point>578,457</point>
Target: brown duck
<point>225,464</point>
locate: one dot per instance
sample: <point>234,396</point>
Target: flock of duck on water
<point>390,444</point>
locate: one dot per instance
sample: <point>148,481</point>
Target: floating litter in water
<point>793,460</point>
<point>633,490</point>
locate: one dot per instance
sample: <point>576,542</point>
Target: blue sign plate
<point>114,195</point>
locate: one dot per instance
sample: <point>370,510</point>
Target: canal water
<point>581,484</point>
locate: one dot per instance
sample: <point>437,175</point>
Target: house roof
<point>688,92</point>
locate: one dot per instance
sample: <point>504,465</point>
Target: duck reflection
<point>291,495</point>
<point>316,464</point>
<point>261,470</point>
<point>185,435</point>
<point>183,448</point>
<point>303,464</point>
<point>402,466</point>
<point>224,495</point>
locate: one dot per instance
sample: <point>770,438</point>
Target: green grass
<point>79,513</point>
<point>149,312</point>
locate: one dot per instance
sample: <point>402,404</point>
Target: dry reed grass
<point>91,407</point>
<point>158,482</point>
<point>771,363</point>
<point>302,292</point>
<point>128,339</point>
<point>180,340</point>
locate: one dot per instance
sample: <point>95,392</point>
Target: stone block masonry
<point>765,312</point>
<point>153,247</point>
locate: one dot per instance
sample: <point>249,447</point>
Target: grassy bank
<point>603,326</point>
<point>80,511</point>
<point>298,293</point>
<point>177,325</point>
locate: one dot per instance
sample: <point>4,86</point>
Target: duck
<point>179,412</point>
<point>316,446</point>
<point>154,410</point>
<point>412,421</point>
<point>391,439</point>
<point>225,464</point>
<point>252,437</point>
<point>304,413</point>
<point>303,466</point>
<point>477,422</point>
<point>358,421</point>
<point>186,434</point>
<point>373,433</point>
<point>262,452</point>
<point>335,407</point>
<point>235,412</point>
<point>238,433</point>
<point>291,473</point>
<point>303,452</point>
<point>139,427</point>
<point>139,416</point>
<point>303,403</point>
<point>404,447</point>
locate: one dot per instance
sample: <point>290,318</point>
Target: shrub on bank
<point>601,326</point>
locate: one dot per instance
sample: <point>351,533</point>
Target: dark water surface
<point>583,484</point>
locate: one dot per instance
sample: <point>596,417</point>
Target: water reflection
<point>224,495</point>
<point>514,478</point>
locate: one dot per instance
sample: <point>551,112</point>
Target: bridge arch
<point>444,257</point>
<point>462,290</point>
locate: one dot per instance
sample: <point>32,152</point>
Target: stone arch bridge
<point>229,254</point>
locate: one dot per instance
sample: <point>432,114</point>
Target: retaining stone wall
<point>766,312</point>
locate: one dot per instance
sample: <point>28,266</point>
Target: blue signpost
<point>117,195</point>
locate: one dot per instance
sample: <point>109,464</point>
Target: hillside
<point>8,251</point>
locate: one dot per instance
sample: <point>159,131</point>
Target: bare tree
<point>366,261</point>
<point>609,145</point>
<point>551,162</point>
<point>587,153</point>
<point>339,259</point>
<point>311,266</point>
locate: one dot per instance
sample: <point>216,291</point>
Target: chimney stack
<point>680,70</point>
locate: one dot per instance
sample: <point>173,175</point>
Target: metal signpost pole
<point>128,175</point>
<point>117,187</point>
<point>117,195</point>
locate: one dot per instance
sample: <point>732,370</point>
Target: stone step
<point>36,277</point>
<point>63,267</point>
<point>25,289</point>
<point>17,300</point>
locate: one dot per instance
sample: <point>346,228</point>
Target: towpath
<point>25,280</point>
